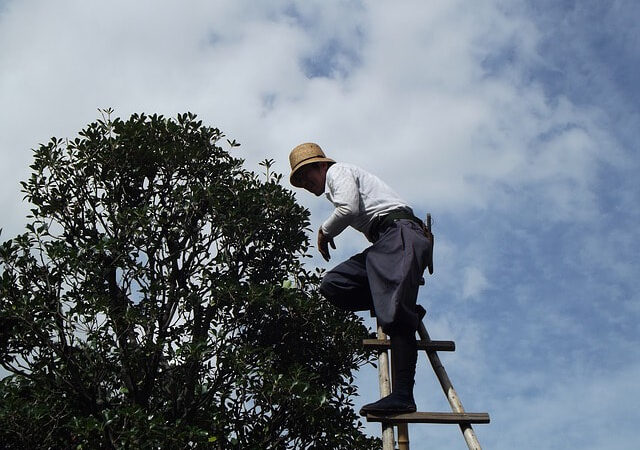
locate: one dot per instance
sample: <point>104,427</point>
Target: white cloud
<point>533,191</point>
<point>415,102</point>
<point>581,410</point>
<point>474,283</point>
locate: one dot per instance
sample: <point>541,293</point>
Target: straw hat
<point>302,155</point>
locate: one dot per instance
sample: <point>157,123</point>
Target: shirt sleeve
<point>344,194</point>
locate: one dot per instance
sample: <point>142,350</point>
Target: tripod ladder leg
<point>385,389</point>
<point>449,391</point>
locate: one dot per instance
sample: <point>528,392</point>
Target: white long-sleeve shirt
<point>358,197</point>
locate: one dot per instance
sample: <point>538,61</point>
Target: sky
<point>514,123</point>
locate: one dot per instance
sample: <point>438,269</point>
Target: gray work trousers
<point>384,278</point>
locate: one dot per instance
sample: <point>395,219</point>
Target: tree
<point>158,300</point>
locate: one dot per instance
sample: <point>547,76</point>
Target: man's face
<point>312,177</point>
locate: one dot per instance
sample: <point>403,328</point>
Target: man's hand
<point>323,245</point>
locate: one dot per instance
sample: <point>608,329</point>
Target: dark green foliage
<point>158,300</point>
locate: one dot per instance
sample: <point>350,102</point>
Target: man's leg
<point>395,264</point>
<point>404,353</point>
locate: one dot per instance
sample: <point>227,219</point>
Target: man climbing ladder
<point>385,277</point>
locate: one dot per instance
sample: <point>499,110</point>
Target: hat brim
<point>294,179</point>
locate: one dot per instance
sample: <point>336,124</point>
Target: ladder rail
<point>385,389</point>
<point>449,391</point>
<point>451,394</point>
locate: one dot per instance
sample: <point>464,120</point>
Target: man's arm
<point>323,244</point>
<point>343,193</point>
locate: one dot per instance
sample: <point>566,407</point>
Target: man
<point>386,276</point>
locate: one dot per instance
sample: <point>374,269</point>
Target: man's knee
<point>345,296</point>
<point>332,292</point>
<point>328,287</point>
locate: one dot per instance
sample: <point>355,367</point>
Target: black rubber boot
<point>405,354</point>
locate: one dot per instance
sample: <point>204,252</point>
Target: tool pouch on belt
<point>426,227</point>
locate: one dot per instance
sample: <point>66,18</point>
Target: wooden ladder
<point>401,421</point>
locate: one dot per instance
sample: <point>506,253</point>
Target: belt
<point>381,223</point>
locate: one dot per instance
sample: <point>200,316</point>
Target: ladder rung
<point>430,417</point>
<point>385,344</point>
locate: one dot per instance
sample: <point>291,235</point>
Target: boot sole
<point>387,411</point>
